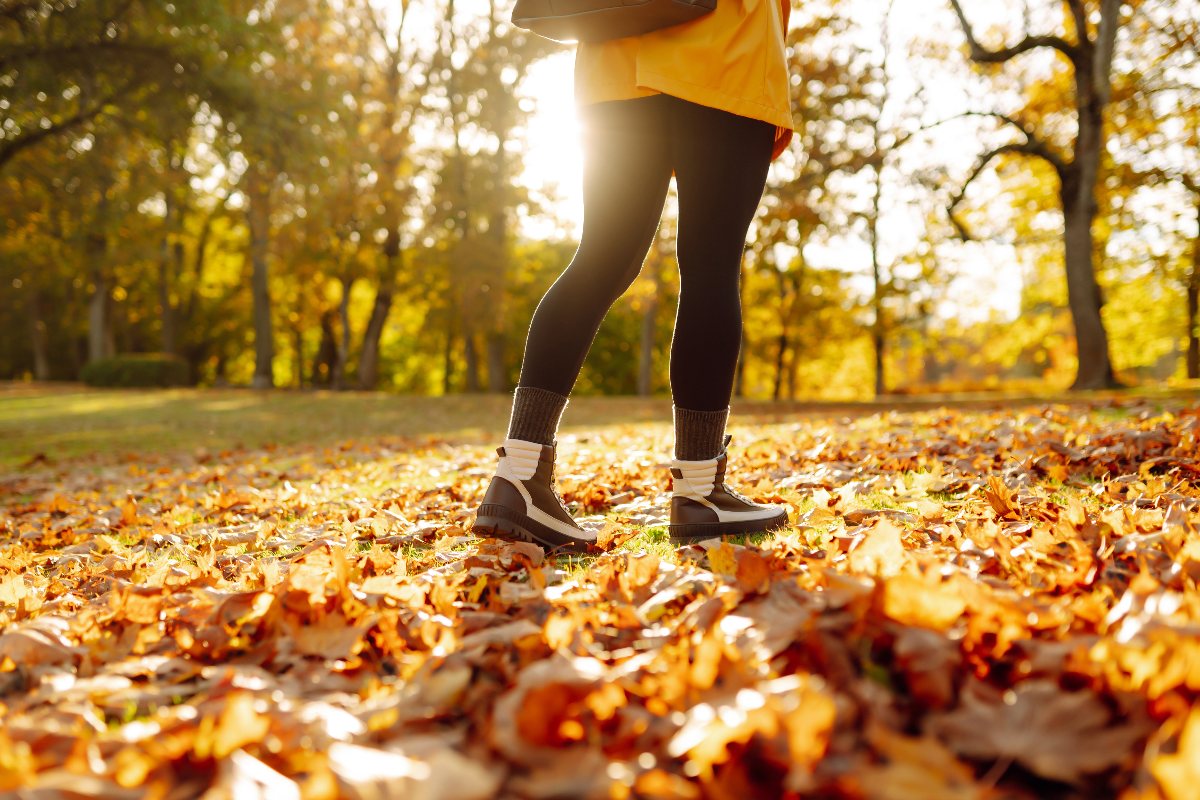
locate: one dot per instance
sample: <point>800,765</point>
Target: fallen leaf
<point>1178,773</point>
<point>881,553</point>
<point>1041,727</point>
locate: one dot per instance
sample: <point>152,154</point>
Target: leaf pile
<point>969,604</point>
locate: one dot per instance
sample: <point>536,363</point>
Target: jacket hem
<point>649,83</point>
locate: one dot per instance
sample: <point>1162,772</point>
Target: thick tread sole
<point>698,531</point>
<point>503,522</point>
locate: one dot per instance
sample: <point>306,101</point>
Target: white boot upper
<point>697,483</point>
<point>698,478</point>
<point>520,459</point>
<point>517,465</point>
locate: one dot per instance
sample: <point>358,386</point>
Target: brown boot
<point>702,506</point>
<point>521,503</point>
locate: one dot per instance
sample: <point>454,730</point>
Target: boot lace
<point>736,494</point>
<point>554,489</point>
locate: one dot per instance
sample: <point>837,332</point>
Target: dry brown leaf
<point>723,559</point>
<point>39,643</point>
<point>916,769</point>
<point>368,773</point>
<point>881,553</point>
<point>1178,773</point>
<point>1041,727</point>
<point>244,777</point>
<point>923,601</point>
<point>528,719</point>
<point>753,573</point>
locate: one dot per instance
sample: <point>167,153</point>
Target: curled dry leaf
<point>786,722</point>
<point>881,553</point>
<point>1041,727</point>
<point>535,719</point>
<point>39,643</point>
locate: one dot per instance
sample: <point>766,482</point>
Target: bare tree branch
<point>1079,15</point>
<point>11,9</point>
<point>1033,144</point>
<point>1162,175</point>
<point>9,149</point>
<point>981,55</point>
<point>87,50</point>
<point>986,159</point>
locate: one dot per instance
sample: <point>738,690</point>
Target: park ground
<point>275,594</point>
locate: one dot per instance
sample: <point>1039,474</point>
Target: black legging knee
<point>631,148</point>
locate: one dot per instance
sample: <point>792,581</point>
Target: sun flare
<point>554,159</point>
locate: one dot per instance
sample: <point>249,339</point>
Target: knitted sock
<point>535,414</point>
<point>699,435</point>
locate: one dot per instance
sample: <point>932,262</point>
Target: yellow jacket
<point>732,59</point>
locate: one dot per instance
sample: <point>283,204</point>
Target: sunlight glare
<point>553,161</point>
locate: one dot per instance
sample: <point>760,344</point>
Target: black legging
<point>631,148</point>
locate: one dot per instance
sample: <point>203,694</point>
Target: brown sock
<point>699,435</point>
<point>535,414</point>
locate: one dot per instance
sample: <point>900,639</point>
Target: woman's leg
<point>720,163</point>
<point>627,170</point>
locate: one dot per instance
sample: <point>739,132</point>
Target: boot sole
<point>502,522</point>
<point>698,531</point>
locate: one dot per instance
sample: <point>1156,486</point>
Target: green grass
<point>70,421</point>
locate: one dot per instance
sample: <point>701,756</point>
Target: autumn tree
<point>1157,132</point>
<point>830,184</point>
<point>66,65</point>
<point>482,65</point>
<point>1088,49</point>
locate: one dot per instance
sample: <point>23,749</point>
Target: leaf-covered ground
<point>969,604</point>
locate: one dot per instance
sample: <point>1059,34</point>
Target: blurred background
<point>375,193</point>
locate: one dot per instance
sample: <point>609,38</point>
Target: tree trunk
<point>298,355</point>
<point>496,282</point>
<point>259,215</point>
<point>168,271</point>
<point>792,369</point>
<point>1193,305</point>
<point>393,262</point>
<point>645,378</point>
<point>795,306</point>
<point>781,344</point>
<point>497,370</point>
<point>1083,291</point>
<point>448,354</point>
<point>100,341</point>
<point>325,363</point>
<point>368,359</point>
<point>343,349</point>
<point>794,312</point>
<point>37,337</point>
<point>878,338</point>
<point>739,375</point>
<point>471,362</point>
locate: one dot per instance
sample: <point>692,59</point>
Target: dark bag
<point>599,20</point>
